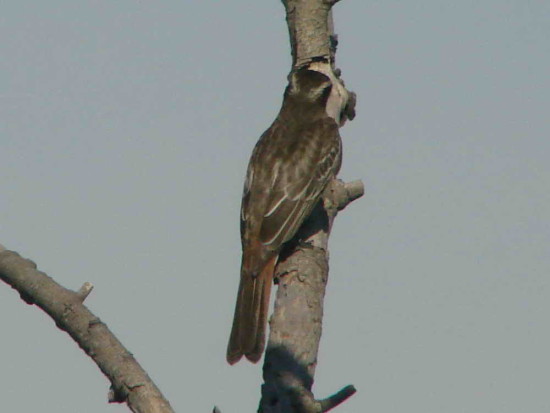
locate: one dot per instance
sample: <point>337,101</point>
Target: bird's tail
<point>250,320</point>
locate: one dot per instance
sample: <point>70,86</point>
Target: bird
<point>289,168</point>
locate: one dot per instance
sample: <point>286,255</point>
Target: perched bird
<point>289,168</point>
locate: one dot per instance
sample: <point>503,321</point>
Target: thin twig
<point>337,398</point>
<point>84,291</point>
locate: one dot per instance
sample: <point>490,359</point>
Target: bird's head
<point>317,85</point>
<point>309,86</point>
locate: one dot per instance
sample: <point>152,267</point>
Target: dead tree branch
<point>296,323</point>
<point>129,382</point>
<point>302,272</point>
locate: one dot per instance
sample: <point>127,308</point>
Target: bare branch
<point>337,398</point>
<point>302,271</point>
<point>339,194</point>
<point>296,323</point>
<point>309,30</point>
<point>130,383</point>
<point>84,291</point>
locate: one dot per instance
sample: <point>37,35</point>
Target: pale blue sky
<point>125,130</point>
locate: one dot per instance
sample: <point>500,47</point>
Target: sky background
<point>125,131</point>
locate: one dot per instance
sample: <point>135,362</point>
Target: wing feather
<point>300,179</point>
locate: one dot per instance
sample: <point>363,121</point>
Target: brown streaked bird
<point>289,168</point>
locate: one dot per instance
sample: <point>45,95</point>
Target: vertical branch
<point>308,30</point>
<point>302,272</point>
<point>296,323</point>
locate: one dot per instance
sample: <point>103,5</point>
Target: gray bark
<point>310,29</point>
<point>296,323</point>
<point>129,382</point>
<point>302,272</point>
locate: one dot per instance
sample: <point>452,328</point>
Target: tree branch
<point>308,30</point>
<point>130,383</point>
<point>296,323</point>
<point>302,271</point>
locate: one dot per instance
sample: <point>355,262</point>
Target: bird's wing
<point>298,179</point>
